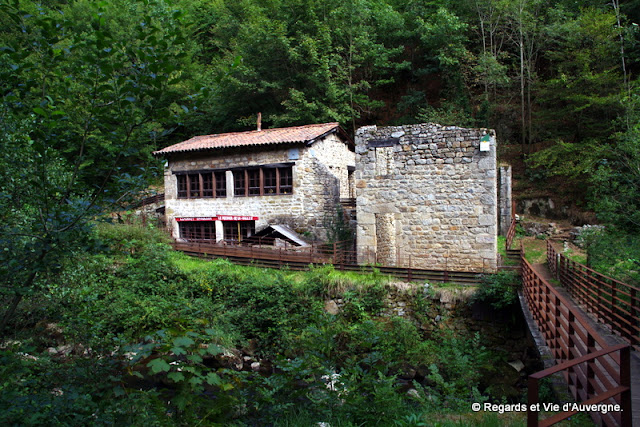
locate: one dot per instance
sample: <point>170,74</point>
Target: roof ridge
<point>291,134</point>
<point>264,130</point>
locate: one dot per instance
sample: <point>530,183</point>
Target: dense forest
<point>88,89</point>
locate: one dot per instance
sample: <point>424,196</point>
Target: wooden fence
<point>301,258</point>
<point>595,372</point>
<point>150,200</point>
<point>614,303</point>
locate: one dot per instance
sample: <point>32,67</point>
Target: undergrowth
<point>139,334</point>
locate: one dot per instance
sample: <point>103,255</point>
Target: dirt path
<point>543,271</point>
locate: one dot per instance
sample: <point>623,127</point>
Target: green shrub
<point>614,253</point>
<point>500,290</point>
<point>193,392</point>
<point>38,390</point>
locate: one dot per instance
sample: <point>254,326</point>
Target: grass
<point>576,255</point>
<point>187,263</point>
<point>335,281</point>
<point>502,249</point>
<point>535,250</point>
<point>447,285</point>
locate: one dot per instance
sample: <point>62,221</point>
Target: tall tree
<point>79,105</point>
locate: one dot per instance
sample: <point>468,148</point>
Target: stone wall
<point>433,193</point>
<point>319,177</point>
<point>505,199</point>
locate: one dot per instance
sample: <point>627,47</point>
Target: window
<point>237,231</point>
<point>286,180</point>
<point>198,231</point>
<point>221,184</point>
<point>238,183</point>
<point>182,186</point>
<point>207,185</point>
<point>194,185</point>
<point>254,182</point>
<point>202,185</point>
<point>269,180</point>
<point>264,181</point>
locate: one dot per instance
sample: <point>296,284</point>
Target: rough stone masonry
<point>426,197</point>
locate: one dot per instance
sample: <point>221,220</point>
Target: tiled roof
<point>303,134</point>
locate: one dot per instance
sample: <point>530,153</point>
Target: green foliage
<point>616,182</point>
<point>132,289</point>
<point>448,115</point>
<point>36,389</point>
<point>616,254</point>
<point>341,368</point>
<point>571,160</point>
<point>500,290</point>
<point>365,301</point>
<point>179,357</point>
<point>326,281</point>
<point>338,228</point>
<point>79,103</point>
<point>302,62</point>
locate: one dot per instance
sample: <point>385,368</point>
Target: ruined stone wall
<point>317,174</point>
<point>504,199</point>
<point>426,197</point>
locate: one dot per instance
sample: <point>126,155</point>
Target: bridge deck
<point>610,338</point>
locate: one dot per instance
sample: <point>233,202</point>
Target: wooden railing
<point>613,302</point>
<point>595,372</point>
<point>622,415</point>
<point>336,254</point>
<point>150,200</point>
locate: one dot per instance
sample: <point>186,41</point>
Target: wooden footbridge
<point>590,324</point>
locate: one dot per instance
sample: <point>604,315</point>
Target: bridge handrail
<point>573,342</point>
<point>533,385</point>
<point>614,303</point>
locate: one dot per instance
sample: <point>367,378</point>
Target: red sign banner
<point>217,218</point>
<point>237,218</point>
<point>202,218</point>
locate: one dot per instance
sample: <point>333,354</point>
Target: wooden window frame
<point>201,185</point>
<point>220,184</point>
<point>254,182</point>
<point>208,185</point>
<point>237,231</point>
<point>198,231</point>
<point>239,183</point>
<point>247,182</point>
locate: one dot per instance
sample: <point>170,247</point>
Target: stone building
<point>426,197</point>
<point>230,186</point>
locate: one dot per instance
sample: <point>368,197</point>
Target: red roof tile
<point>304,134</point>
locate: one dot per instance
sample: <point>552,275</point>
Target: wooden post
<point>625,381</point>
<point>558,326</point>
<point>532,398</point>
<point>570,345</point>
<point>590,372</point>
<point>334,252</point>
<point>613,305</point>
<point>631,317</point>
